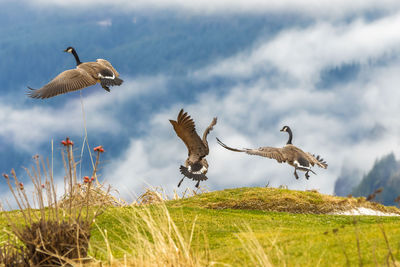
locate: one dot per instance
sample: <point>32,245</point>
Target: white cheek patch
<point>106,77</point>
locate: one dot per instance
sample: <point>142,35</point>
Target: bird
<point>290,154</point>
<point>85,74</point>
<point>196,166</point>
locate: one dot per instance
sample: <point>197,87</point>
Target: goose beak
<point>65,50</point>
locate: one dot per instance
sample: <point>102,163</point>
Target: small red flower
<point>92,179</point>
<point>67,142</point>
<point>6,176</point>
<point>100,149</point>
<point>21,186</point>
<point>42,185</point>
<point>86,179</point>
<point>79,185</point>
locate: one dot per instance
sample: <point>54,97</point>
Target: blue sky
<point>333,77</point>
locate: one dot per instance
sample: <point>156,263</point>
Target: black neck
<point>289,142</point>
<point>78,62</point>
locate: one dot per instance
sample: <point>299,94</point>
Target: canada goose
<point>196,165</point>
<point>85,74</point>
<point>290,154</point>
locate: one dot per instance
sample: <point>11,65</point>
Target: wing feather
<point>185,129</point>
<point>66,81</point>
<point>268,152</point>
<point>207,131</point>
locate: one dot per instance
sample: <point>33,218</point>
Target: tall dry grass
<point>53,231</point>
<point>151,238</point>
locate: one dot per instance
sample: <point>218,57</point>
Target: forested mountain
<point>384,174</point>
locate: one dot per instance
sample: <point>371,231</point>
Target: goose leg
<point>179,184</point>
<point>197,185</point>
<point>307,175</point>
<point>295,174</point>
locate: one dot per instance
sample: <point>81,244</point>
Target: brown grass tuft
<point>54,232</point>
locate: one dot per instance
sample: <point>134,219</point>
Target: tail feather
<point>321,161</point>
<point>111,82</point>
<point>194,176</point>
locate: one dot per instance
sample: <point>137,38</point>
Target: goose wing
<point>67,81</point>
<point>268,152</point>
<point>185,129</point>
<point>317,160</point>
<point>207,131</point>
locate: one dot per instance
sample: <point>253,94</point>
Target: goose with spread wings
<point>196,166</point>
<point>290,154</point>
<point>85,74</point>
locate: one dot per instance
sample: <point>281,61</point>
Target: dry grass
<point>155,195</point>
<point>53,231</point>
<point>281,200</point>
<point>150,237</point>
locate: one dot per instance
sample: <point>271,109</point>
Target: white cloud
<point>302,53</point>
<point>105,22</point>
<point>334,123</point>
<point>338,123</point>
<point>27,128</point>
<point>251,116</point>
<point>319,8</point>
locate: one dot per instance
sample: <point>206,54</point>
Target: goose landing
<point>290,154</point>
<point>196,165</point>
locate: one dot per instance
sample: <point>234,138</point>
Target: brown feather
<point>85,74</point>
<point>268,152</point>
<point>185,129</point>
<point>207,131</point>
<point>66,81</point>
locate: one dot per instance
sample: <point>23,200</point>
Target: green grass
<point>292,239</point>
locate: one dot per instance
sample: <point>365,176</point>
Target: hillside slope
<point>282,200</point>
<point>222,224</point>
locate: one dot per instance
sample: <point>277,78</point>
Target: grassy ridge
<point>287,238</point>
<point>283,200</point>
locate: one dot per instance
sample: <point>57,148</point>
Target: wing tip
<point>33,93</point>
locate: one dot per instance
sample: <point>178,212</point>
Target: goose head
<point>285,129</point>
<point>289,131</point>
<point>69,49</point>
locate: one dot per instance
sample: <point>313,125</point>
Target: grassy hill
<point>242,227</point>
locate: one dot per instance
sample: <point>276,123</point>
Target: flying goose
<point>290,154</point>
<point>85,74</point>
<point>196,165</point>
